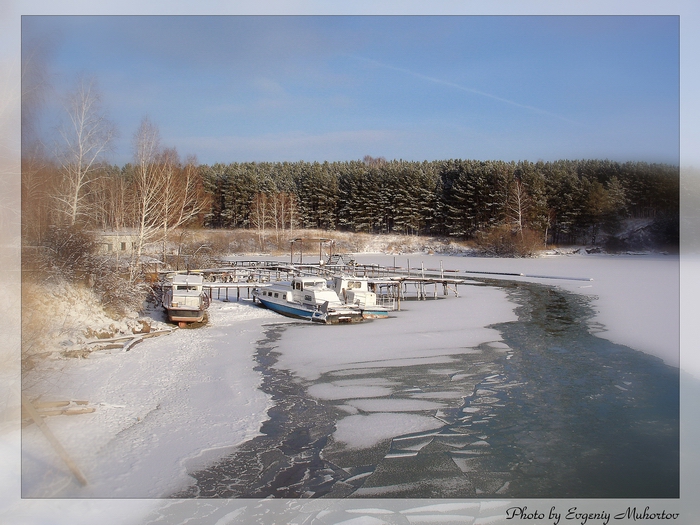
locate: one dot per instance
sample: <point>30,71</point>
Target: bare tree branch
<point>86,137</point>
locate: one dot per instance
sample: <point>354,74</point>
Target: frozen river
<point>459,397</point>
<point>520,387</point>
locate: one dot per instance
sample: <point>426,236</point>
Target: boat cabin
<point>185,299</point>
<point>354,290</point>
<point>312,291</point>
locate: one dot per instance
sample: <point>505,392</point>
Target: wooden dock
<point>391,284</point>
<point>222,287</point>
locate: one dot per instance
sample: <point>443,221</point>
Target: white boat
<point>184,298</point>
<point>356,291</point>
<point>307,298</point>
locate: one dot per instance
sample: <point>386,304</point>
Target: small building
<point>114,242</point>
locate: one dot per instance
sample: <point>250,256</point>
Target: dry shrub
<point>220,242</point>
<point>117,294</point>
<point>505,241</point>
<point>66,253</point>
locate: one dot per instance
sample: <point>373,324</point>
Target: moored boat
<point>184,299</point>
<point>356,291</point>
<point>307,298</point>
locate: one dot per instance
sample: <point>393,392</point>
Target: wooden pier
<point>210,288</point>
<point>392,284</point>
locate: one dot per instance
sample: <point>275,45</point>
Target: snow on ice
<point>178,402</point>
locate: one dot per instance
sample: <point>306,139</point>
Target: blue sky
<point>315,88</point>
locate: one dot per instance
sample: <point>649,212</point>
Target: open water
<point>559,413</point>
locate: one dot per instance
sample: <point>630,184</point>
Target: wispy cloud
<point>464,88</point>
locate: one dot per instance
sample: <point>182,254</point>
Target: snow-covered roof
<point>187,279</point>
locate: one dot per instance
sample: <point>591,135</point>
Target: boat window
<point>277,295</point>
<point>354,284</point>
<point>307,298</point>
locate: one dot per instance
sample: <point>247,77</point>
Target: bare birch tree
<point>168,163</point>
<point>277,208</point>
<point>285,212</point>
<point>183,191</point>
<point>518,205</point>
<point>85,139</point>
<point>148,188</point>
<point>193,200</point>
<point>259,216</point>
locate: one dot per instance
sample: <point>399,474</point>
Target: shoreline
<point>468,263</point>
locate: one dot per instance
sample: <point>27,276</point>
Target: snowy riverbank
<point>175,403</point>
<point>164,406</point>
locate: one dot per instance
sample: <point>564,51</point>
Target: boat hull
<point>289,311</point>
<point>185,316</point>
<point>329,316</point>
<point>370,313</point>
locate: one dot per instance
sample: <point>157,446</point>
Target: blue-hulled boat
<point>307,298</point>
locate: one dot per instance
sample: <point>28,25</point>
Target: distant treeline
<point>491,202</point>
<point>567,201</point>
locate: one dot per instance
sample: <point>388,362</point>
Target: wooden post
<point>54,442</point>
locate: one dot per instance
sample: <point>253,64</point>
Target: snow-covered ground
<point>155,405</point>
<point>176,402</point>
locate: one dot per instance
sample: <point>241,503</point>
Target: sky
<point>337,88</point>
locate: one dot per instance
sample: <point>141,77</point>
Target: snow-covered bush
<point>66,253</point>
